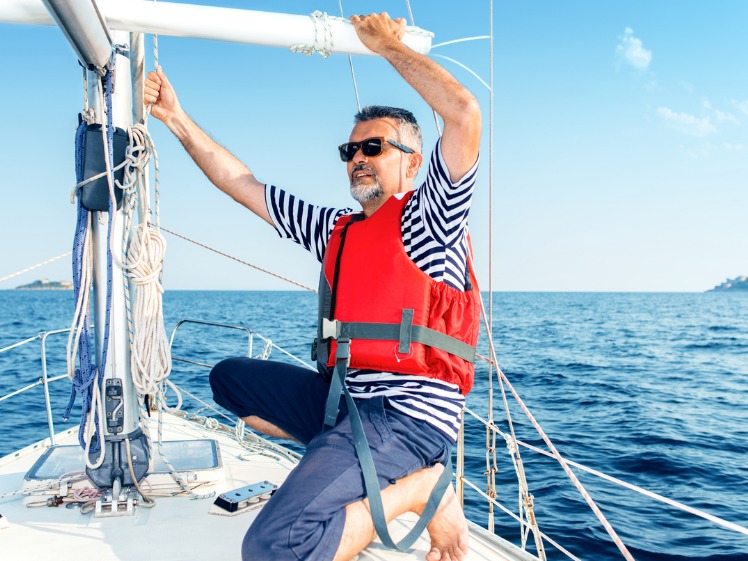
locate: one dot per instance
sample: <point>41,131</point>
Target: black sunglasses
<point>370,147</point>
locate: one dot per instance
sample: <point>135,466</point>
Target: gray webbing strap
<point>392,332</point>
<point>337,382</point>
<point>406,331</point>
<point>371,482</point>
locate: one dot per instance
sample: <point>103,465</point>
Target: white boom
<point>222,24</point>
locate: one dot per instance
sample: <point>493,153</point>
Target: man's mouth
<point>360,172</point>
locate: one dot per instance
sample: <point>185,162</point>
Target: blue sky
<point>619,154</point>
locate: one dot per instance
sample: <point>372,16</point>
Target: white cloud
<point>632,51</point>
<point>723,117</point>
<point>734,147</point>
<point>687,123</point>
<point>742,106</point>
<point>719,115</point>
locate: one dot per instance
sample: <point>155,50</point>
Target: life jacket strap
<point>404,332</point>
<point>371,481</point>
<point>337,382</point>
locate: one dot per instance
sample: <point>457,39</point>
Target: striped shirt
<point>434,230</point>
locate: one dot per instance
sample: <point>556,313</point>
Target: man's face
<point>376,178</point>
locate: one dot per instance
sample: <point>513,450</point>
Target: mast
<point>90,38</point>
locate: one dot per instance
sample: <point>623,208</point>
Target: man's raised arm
<point>220,166</point>
<point>451,100</point>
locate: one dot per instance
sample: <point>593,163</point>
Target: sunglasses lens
<point>347,151</point>
<point>371,147</point>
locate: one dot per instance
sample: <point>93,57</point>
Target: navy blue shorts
<point>304,519</point>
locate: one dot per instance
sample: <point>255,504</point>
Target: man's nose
<point>359,156</point>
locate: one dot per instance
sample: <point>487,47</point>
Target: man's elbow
<point>471,111</point>
<point>467,114</point>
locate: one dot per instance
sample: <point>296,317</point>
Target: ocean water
<point>649,388</point>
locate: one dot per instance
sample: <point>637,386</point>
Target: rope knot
<point>323,41</point>
<point>511,444</point>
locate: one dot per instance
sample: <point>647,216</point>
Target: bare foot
<point>448,530</point>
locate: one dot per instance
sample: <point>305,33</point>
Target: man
<point>410,411</point>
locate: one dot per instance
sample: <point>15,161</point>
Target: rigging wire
<point>492,470</point>
<point>462,40</point>
<point>458,63</point>
<point>556,454</point>
<point>32,267</point>
<point>620,482</point>
<point>247,263</point>
<point>350,65</point>
<point>436,117</point>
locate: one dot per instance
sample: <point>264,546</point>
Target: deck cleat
<point>236,500</point>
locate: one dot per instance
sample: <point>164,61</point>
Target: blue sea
<point>649,388</point>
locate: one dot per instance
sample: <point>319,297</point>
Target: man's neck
<point>370,207</point>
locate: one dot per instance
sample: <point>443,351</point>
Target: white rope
<point>94,428</point>
<point>266,350</point>
<point>143,251</point>
<point>323,41</point>
<point>82,303</point>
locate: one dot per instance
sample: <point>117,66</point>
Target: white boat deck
<point>177,528</point>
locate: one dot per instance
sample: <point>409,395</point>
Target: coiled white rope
<point>324,41</point>
<point>144,248</point>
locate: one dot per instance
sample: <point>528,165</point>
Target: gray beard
<point>368,193</point>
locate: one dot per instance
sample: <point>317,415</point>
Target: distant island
<point>738,283</point>
<point>46,284</point>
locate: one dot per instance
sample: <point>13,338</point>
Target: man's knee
<point>227,379</point>
<point>256,545</point>
<point>222,373</point>
<point>218,375</point>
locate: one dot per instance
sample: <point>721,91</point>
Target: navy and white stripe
<point>435,223</point>
<point>308,225</point>
<point>434,230</point>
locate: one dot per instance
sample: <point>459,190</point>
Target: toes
<point>434,555</point>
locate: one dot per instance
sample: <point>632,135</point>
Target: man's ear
<point>414,164</point>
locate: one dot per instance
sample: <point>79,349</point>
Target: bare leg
<point>264,427</point>
<point>448,529</point>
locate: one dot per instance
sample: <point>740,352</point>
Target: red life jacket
<point>397,317</point>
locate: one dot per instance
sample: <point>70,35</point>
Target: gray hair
<point>410,132</point>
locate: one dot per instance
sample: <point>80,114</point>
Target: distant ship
<point>45,284</point>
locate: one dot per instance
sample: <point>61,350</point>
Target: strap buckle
<point>343,351</point>
<point>330,328</point>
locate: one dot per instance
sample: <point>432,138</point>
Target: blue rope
<point>112,210</point>
<point>85,375</point>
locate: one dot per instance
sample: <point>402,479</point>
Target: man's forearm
<point>451,100</point>
<point>443,93</point>
<point>219,165</point>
